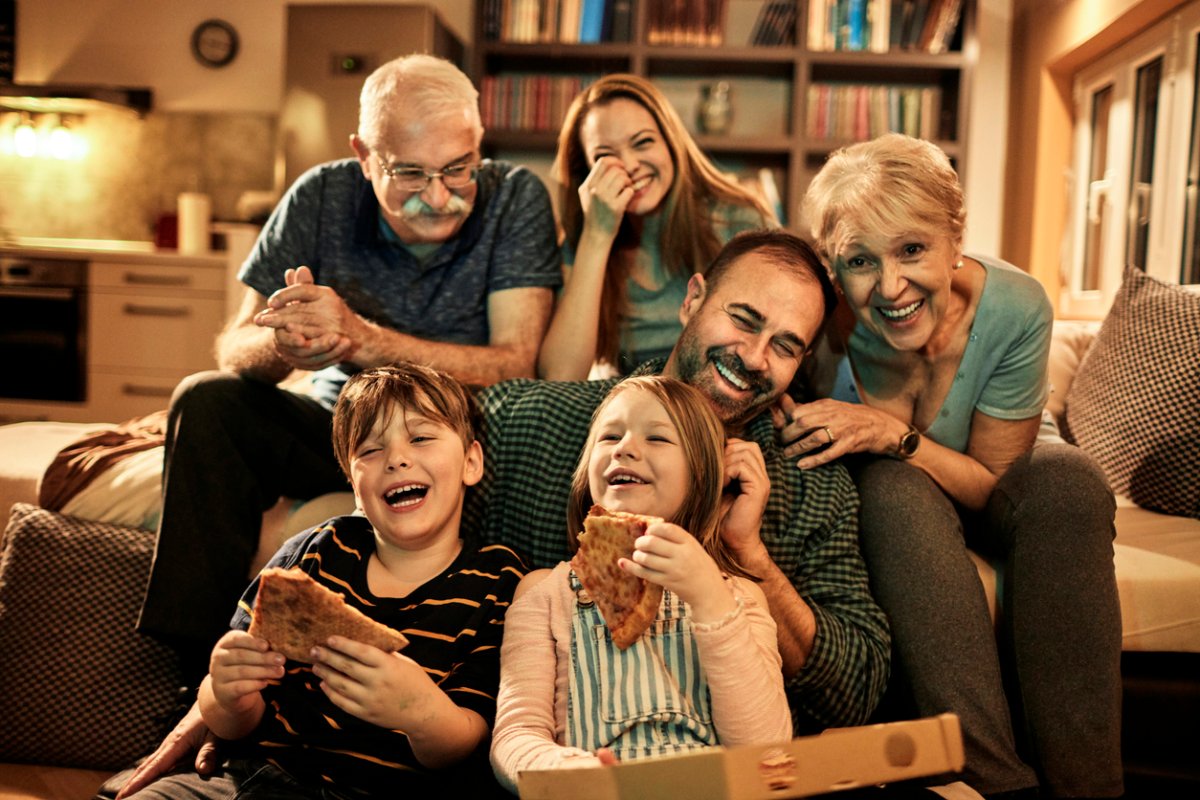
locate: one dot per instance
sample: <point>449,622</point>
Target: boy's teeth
<point>406,495</point>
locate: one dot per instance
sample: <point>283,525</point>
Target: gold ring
<point>828,433</point>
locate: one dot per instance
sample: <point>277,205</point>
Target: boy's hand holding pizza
<point>239,670</point>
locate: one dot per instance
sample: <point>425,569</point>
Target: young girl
<point>707,671</point>
<point>642,209</point>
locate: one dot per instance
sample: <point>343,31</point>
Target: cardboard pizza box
<point>841,758</point>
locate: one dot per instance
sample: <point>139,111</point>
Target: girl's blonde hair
<point>891,185</point>
<point>702,438</point>
<point>687,241</point>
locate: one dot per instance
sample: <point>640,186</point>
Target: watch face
<point>909,442</point>
<point>214,43</point>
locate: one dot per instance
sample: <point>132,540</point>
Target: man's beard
<point>693,366</point>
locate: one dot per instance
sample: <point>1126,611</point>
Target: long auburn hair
<point>702,437</point>
<point>687,239</point>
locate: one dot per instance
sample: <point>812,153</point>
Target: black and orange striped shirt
<point>454,624</point>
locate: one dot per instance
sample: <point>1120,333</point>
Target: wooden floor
<point>35,782</point>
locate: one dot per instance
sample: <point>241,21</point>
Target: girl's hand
<point>825,430</point>
<point>386,689</point>
<point>240,668</point>
<point>745,497</point>
<point>668,555</point>
<point>604,195</point>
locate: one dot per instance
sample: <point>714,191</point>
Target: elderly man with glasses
<point>416,250</point>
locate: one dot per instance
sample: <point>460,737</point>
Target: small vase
<point>715,111</point>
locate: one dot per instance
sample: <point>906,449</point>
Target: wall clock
<point>214,43</point>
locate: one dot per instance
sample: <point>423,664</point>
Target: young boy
<point>361,721</point>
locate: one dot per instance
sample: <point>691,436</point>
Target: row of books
<point>880,26</point>
<point>565,21</point>
<point>861,112</point>
<point>694,23</point>
<point>536,103</point>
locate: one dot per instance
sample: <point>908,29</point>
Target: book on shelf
<point>882,25</point>
<point>859,112</point>
<point>776,23</point>
<point>529,103</point>
<point>561,21</point>
<point>694,23</point>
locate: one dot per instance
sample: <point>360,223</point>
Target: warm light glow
<point>43,135</point>
<point>25,140</point>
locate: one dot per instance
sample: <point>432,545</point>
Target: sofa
<point>80,689</point>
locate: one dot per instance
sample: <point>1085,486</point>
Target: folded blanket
<point>82,462</point>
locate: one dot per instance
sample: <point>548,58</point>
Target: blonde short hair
<point>415,87</point>
<point>890,185</point>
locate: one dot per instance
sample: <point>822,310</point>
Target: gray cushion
<point>1135,403</point>
<point>79,686</point>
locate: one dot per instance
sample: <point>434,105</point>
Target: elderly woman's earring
<point>959,265</point>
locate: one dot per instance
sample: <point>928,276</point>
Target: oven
<point>43,328</point>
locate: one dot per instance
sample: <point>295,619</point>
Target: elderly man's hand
<point>314,328</point>
<point>191,734</point>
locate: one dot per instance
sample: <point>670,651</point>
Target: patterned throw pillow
<point>1135,403</point>
<point>78,686</point>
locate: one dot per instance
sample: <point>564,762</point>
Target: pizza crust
<point>295,613</point>
<point>628,603</point>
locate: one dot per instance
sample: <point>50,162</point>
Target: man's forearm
<point>475,365</point>
<point>250,351</point>
<point>797,627</point>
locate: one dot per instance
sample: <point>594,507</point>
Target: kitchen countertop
<point>126,252</point>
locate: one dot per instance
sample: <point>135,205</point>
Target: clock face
<point>214,43</point>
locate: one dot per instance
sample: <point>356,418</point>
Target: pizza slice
<point>628,603</point>
<point>295,613</point>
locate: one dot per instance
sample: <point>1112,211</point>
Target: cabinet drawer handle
<point>135,390</point>
<point>156,311</point>
<point>142,279</point>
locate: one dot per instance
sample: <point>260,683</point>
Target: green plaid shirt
<point>532,435</point>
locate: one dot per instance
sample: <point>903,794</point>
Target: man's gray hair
<point>415,87</point>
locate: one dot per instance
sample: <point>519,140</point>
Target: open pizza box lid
<point>840,758</point>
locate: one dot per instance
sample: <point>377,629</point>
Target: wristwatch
<point>909,443</point>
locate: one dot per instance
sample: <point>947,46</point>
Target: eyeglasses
<point>415,179</point>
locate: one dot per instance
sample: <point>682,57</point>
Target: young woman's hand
<point>668,555</point>
<point>604,196</point>
<point>745,497</point>
<point>240,668</point>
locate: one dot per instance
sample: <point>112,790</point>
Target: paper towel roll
<point>194,210</point>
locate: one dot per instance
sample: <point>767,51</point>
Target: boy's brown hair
<point>373,395</point>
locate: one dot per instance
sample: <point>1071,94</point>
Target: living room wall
<point>1051,42</point>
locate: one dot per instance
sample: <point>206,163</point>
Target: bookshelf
<point>787,95</point>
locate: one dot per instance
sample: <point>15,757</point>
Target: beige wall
<point>1051,41</point>
<point>147,43</point>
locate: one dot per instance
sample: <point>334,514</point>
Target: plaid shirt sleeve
<point>810,527</point>
<point>532,435</point>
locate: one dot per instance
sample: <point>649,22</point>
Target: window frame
<point>1174,40</point>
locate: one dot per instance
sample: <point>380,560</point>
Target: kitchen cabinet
<point>151,319</point>
<point>149,326</point>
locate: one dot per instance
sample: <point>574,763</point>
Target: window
<point>1137,124</point>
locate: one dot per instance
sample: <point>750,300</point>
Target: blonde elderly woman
<point>934,383</point>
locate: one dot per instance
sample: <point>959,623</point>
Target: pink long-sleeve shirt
<point>739,654</point>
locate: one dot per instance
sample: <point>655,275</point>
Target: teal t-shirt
<point>1003,371</point>
<point>650,324</point>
